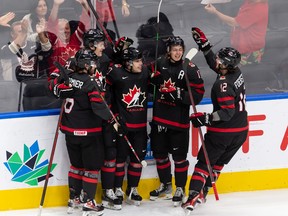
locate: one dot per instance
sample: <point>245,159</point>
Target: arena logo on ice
<point>29,169</point>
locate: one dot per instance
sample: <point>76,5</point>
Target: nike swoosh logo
<point>164,68</point>
<point>124,77</point>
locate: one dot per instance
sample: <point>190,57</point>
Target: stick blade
<point>192,52</point>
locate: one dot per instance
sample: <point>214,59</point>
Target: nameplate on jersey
<point>80,133</point>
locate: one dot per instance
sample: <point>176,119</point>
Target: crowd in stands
<point>35,33</point>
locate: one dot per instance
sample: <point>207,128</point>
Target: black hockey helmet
<point>92,37</point>
<point>130,54</point>
<point>173,41</point>
<point>229,56</point>
<point>85,57</point>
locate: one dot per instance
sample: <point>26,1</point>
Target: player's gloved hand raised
<point>171,94</point>
<point>62,90</point>
<point>201,119</point>
<point>119,125</point>
<point>122,43</point>
<point>201,39</point>
<point>156,78</point>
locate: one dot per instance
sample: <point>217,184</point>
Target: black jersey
<point>175,115</point>
<point>228,99</point>
<point>129,95</point>
<point>84,109</point>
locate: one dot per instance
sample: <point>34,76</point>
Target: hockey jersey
<point>84,108</point>
<point>175,115</point>
<point>228,99</point>
<point>129,96</point>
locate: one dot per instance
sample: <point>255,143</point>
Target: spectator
<point>248,29</point>
<point>106,12</point>
<point>5,32</point>
<point>66,39</point>
<point>20,54</point>
<point>38,12</point>
<point>147,33</point>
<point>5,19</point>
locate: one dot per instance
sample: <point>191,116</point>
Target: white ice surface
<point>258,203</point>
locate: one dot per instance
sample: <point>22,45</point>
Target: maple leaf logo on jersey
<point>134,98</point>
<point>99,75</point>
<point>168,84</point>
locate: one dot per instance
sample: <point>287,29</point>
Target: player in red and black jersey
<point>170,123</point>
<point>128,84</point>
<point>227,125</point>
<point>82,120</point>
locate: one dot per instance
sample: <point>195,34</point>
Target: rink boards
<point>27,139</point>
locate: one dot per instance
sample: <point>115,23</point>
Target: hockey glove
<point>171,93</point>
<point>62,90</point>
<point>122,43</point>
<point>156,78</point>
<point>119,125</point>
<point>201,119</point>
<point>200,39</point>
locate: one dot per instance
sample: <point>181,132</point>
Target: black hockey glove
<point>171,94</point>
<point>201,119</point>
<point>61,90</point>
<point>122,43</point>
<point>119,126</point>
<point>201,39</point>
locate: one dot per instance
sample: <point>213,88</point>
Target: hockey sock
<point>181,170</point>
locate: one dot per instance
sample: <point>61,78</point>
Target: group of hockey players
<point>105,119</point>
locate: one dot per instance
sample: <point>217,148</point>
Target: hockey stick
<point>192,52</point>
<point>66,78</point>
<point>99,22</point>
<point>113,18</point>
<point>157,44</point>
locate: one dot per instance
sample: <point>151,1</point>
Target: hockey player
<point>128,84</point>
<point>94,40</point>
<point>227,126</point>
<point>170,122</point>
<point>84,112</point>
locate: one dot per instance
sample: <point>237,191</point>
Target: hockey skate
<point>110,200</point>
<point>163,192</point>
<point>90,208</point>
<point>191,202</point>
<point>203,195</point>
<point>179,197</point>
<point>74,204</point>
<point>119,193</point>
<point>132,196</point>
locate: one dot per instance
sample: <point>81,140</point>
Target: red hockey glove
<point>201,39</point>
<point>156,78</point>
<point>171,93</point>
<point>201,119</point>
<point>118,125</point>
